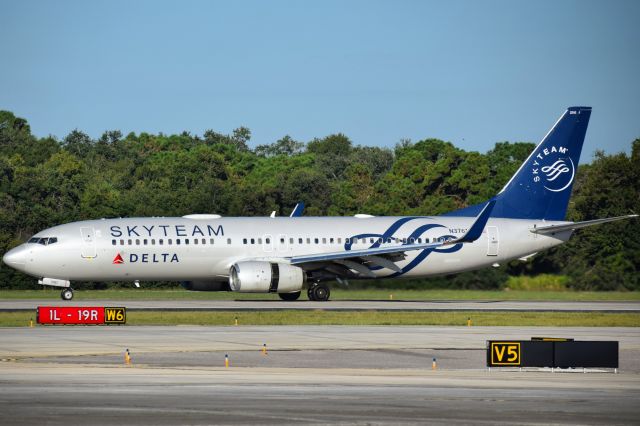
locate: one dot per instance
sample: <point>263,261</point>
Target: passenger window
<point>113,242</point>
<point>290,240</point>
<point>300,240</point>
<point>204,241</point>
<point>316,240</point>
<point>186,241</point>
<point>137,242</point>
<point>259,240</point>
<point>178,241</point>
<point>144,241</point>
<point>153,242</point>
<point>308,240</point>
<point>170,241</point>
<point>211,241</point>
<point>228,240</point>
<point>268,240</point>
<point>281,240</point>
<point>331,240</point>
<point>129,242</point>
<point>339,240</point>
<point>244,241</point>
<point>121,242</point>
<point>195,241</point>
<point>160,241</point>
<point>253,241</point>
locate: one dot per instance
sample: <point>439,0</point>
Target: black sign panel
<point>586,354</point>
<point>555,353</point>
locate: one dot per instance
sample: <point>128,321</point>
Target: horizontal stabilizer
<point>552,229</point>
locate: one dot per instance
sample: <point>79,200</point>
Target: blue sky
<point>468,72</point>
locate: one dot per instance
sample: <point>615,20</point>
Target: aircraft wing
<point>552,229</point>
<point>373,254</point>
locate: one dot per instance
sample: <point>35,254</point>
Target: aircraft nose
<point>15,257</point>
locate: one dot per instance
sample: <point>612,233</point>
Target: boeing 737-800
<point>284,254</point>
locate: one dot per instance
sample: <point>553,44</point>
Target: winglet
<point>297,210</point>
<point>478,226</point>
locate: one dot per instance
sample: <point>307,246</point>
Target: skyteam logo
<point>553,168</point>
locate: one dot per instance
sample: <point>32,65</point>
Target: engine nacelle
<point>205,285</point>
<point>265,277</point>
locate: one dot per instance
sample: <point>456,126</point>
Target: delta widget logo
<point>553,168</point>
<point>118,260</point>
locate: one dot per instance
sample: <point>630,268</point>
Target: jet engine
<point>265,277</point>
<point>205,285</point>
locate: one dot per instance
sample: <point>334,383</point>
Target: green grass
<point>542,319</point>
<point>336,294</point>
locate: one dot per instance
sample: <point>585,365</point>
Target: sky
<point>469,72</point>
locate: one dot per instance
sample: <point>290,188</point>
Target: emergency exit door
<point>492,241</point>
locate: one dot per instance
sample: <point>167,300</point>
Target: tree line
<point>46,181</point>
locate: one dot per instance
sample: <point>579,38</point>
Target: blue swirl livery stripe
<point>418,232</point>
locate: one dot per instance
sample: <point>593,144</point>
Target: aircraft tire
<point>66,294</point>
<point>321,293</point>
<point>289,297</point>
<point>310,294</point>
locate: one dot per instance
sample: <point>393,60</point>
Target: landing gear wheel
<point>321,293</point>
<point>289,297</point>
<point>310,294</point>
<point>67,294</point>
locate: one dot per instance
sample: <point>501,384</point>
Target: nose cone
<point>15,257</point>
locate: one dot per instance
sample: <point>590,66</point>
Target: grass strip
<point>541,319</point>
<point>336,294</point>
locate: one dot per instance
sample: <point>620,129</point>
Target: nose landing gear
<point>67,294</point>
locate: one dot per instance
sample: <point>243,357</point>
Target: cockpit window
<point>44,241</point>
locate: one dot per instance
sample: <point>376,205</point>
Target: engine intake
<point>265,277</point>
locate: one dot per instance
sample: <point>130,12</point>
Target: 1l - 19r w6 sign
<point>81,315</point>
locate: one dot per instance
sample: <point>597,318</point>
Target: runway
<point>311,374</point>
<point>338,305</point>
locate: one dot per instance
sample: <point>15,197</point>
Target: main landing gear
<point>319,292</point>
<point>66,294</point>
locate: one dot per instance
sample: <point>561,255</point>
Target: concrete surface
<point>312,374</point>
<point>345,305</point>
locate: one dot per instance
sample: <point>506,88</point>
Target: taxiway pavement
<point>311,374</point>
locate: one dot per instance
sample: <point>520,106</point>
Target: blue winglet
<point>478,226</point>
<point>297,210</point>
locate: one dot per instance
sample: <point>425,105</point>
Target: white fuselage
<point>183,249</point>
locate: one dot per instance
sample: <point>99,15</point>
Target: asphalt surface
<point>337,305</point>
<point>311,374</point>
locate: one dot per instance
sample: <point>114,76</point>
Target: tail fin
<point>541,187</point>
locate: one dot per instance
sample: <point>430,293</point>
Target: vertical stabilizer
<point>541,187</point>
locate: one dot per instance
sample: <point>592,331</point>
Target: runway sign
<point>115,315</point>
<point>552,352</point>
<point>80,315</point>
<point>505,353</point>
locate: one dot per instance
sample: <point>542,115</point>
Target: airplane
<point>207,252</point>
